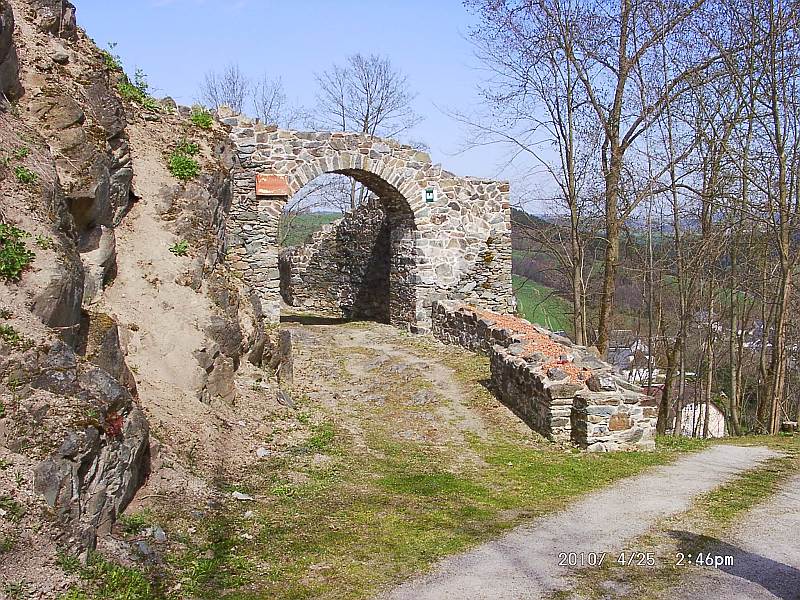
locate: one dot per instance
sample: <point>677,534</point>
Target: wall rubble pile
<point>558,389</point>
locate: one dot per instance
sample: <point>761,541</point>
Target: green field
<point>303,226</point>
<point>540,304</point>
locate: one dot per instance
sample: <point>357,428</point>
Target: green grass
<point>302,227</point>
<point>182,165</point>
<point>540,304</point>
<point>727,502</point>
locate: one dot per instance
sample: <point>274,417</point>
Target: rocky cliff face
<point>76,161</point>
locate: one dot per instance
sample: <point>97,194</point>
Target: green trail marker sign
<point>430,194</point>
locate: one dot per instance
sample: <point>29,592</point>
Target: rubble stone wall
<point>344,271</point>
<point>456,247</point>
<point>558,389</point>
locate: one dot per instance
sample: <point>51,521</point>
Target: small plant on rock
<point>14,511</point>
<point>25,175</point>
<point>44,242</point>
<point>21,152</point>
<point>14,255</point>
<point>202,118</point>
<point>10,335</point>
<point>188,148</point>
<point>180,248</point>
<point>181,162</point>
<point>138,91</point>
<point>111,61</point>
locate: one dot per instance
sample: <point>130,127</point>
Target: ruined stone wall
<point>344,271</point>
<point>558,389</point>
<point>456,247</point>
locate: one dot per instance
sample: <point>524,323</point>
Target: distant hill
<point>520,218</point>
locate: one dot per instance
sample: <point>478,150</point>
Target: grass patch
<point>114,582</point>
<point>727,502</point>
<point>383,513</point>
<point>134,523</point>
<point>541,305</point>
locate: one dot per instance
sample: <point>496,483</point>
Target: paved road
<point>523,565</point>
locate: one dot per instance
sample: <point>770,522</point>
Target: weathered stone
<point>619,422</point>
<point>9,63</point>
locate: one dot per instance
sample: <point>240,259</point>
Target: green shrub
<point>21,152</point>
<point>183,167</point>
<point>14,255</point>
<point>202,118</point>
<point>130,92</point>
<point>25,175</point>
<point>180,248</point>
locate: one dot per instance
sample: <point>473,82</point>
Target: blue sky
<point>177,41</point>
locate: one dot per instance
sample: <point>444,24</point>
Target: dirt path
<point>525,563</point>
<point>765,551</point>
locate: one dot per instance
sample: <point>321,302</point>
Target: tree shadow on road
<point>777,578</point>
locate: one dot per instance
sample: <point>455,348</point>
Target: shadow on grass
<point>777,578</point>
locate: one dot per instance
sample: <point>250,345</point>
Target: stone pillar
<point>252,242</point>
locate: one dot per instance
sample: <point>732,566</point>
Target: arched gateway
<point>448,236</point>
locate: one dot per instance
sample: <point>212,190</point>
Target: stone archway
<point>362,266</point>
<point>451,235</point>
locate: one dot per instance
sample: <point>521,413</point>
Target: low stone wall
<point>345,268</point>
<point>563,391</point>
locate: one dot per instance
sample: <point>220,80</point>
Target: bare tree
<point>366,95</point>
<point>271,105</point>
<point>230,88</point>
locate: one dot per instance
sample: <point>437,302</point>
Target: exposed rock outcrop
<point>9,64</point>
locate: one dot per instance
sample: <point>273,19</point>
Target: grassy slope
<point>304,225</point>
<point>540,304</point>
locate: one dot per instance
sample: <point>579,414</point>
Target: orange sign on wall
<point>271,185</point>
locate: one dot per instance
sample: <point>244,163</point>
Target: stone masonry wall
<point>558,389</point>
<point>344,270</point>
<point>456,247</point>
